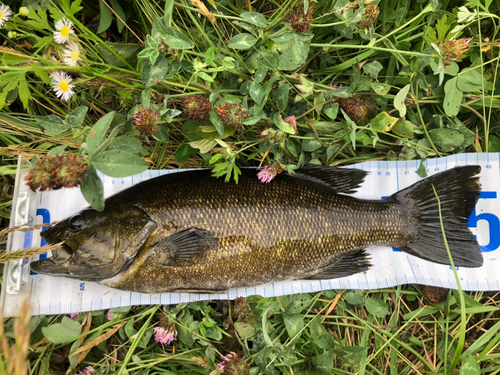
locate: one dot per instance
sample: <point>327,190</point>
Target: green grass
<point>413,87</point>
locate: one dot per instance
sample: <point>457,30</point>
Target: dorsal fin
<point>341,180</point>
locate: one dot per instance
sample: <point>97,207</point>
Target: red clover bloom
<point>86,371</point>
<point>269,172</point>
<point>146,121</point>
<point>165,336</point>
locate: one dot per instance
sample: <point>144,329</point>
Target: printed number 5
<point>493,223</point>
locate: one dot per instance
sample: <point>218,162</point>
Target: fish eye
<point>76,223</point>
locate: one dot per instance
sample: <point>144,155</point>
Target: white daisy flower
<point>5,13</point>
<point>71,54</point>
<point>62,87</point>
<point>64,27</point>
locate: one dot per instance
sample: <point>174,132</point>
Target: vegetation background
<point>123,86</point>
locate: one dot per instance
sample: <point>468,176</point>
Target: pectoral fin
<point>181,249</point>
<point>348,265</point>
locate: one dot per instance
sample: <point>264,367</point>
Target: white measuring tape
<point>51,295</point>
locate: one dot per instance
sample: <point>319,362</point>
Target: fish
<point>191,232</point>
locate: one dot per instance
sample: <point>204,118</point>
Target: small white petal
<point>71,54</point>
<point>64,28</point>
<point>5,13</point>
<point>62,87</point>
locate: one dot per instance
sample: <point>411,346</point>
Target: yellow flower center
<point>64,86</point>
<point>75,54</point>
<point>65,31</point>
<point>1,15</point>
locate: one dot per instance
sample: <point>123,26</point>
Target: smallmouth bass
<point>188,231</point>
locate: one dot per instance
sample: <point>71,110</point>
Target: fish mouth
<point>61,258</point>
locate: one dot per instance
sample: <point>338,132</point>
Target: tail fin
<point>458,190</point>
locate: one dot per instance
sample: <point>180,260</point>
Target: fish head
<point>96,245</point>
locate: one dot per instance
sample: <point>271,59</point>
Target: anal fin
<point>348,265</point>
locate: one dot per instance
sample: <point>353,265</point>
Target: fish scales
<point>266,232</point>
<point>188,231</point>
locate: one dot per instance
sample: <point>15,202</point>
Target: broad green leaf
<point>376,307</point>
<point>244,329</point>
<point>470,81</point>
<point>129,328</point>
<point>373,68</point>
<point>297,303</point>
<point>383,122</point>
<point>282,125</point>
<point>162,134</point>
<point>294,323</point>
<point>228,62</point>
<point>399,100</point>
<point>246,26</point>
<point>452,97</point>
<point>318,100</point>
<point>242,41</point>
<point>403,129</point>
<point>73,357</point>
<point>76,116</point>
<point>98,133</point>
<point>285,354</point>
<point>152,74</point>
<point>291,147</point>
<point>204,145</point>
<point>57,150</point>
<point>354,297</point>
<point>469,366</point>
<point>421,169</point>
<point>332,111</point>
<point>442,26</point>
<point>380,88</point>
<point>321,337</point>
<point>260,74</point>
<point>216,121</point>
<point>92,189</point>
<point>256,92</point>
<point>184,334</point>
<point>65,331</point>
<point>116,163</point>
<point>283,37</point>
<point>452,69</point>
<point>175,39</point>
<point>310,145</point>
<point>280,96</point>
<point>261,59</point>
<point>167,17</point>
<point>52,124</point>
<point>184,152</point>
<point>323,363</point>
<point>209,55</point>
<point>205,76</point>
<point>23,90</point>
<point>255,18</point>
<point>251,120</point>
<point>293,53</point>
<point>446,139</point>
<point>493,144</point>
<point>105,17</point>
<point>127,52</point>
<point>210,132</point>
<point>120,14</point>
<point>351,353</point>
